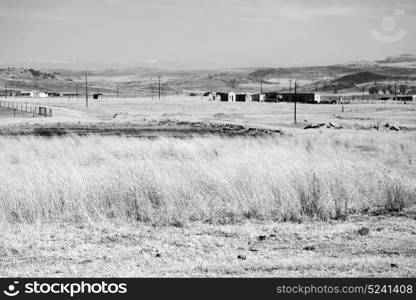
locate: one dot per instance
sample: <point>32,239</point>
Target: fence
<point>35,110</point>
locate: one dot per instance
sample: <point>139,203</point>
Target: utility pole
<point>290,86</point>
<point>159,85</point>
<point>295,103</point>
<point>395,90</point>
<point>261,86</point>
<point>5,90</point>
<point>86,89</point>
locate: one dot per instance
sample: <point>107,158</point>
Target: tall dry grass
<point>174,181</point>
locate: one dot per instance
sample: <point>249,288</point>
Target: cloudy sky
<point>245,32</point>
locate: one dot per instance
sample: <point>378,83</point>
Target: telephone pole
<point>86,89</point>
<point>261,86</point>
<point>295,102</point>
<point>159,85</point>
<point>395,90</point>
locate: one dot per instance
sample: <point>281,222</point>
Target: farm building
<point>36,94</point>
<point>231,97</point>
<point>272,97</point>
<point>222,96</point>
<point>301,97</point>
<point>97,96</point>
<point>22,94</point>
<point>211,96</point>
<point>406,98</point>
<point>258,97</point>
<point>53,94</point>
<point>243,97</point>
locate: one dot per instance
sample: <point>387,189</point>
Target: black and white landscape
<point>185,138</point>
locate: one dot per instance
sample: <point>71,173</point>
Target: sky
<point>229,32</point>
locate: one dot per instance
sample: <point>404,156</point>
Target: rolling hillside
<point>139,81</point>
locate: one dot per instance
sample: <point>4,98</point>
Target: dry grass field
<point>319,202</point>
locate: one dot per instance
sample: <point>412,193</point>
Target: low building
<point>36,94</point>
<point>222,96</point>
<point>244,97</point>
<point>231,97</point>
<point>301,97</point>
<point>211,96</point>
<point>406,98</point>
<point>53,94</point>
<point>258,97</point>
<point>97,96</point>
<point>272,97</point>
<point>22,94</point>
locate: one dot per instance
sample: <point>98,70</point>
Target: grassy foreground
<point>212,180</point>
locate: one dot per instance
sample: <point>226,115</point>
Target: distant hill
<point>135,81</point>
<point>404,58</point>
<point>25,74</point>
<point>361,77</point>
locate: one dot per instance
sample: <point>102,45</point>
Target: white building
<point>36,94</point>
<point>231,97</point>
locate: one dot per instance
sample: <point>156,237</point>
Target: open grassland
<point>269,115</point>
<point>117,206</point>
<point>215,180</point>
<point>309,249</point>
<point>320,202</point>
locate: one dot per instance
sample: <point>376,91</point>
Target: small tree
<point>402,89</point>
<point>373,90</point>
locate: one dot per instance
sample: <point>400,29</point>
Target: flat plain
<point>186,187</point>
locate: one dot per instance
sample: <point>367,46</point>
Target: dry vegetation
<point>319,202</point>
<point>215,180</point>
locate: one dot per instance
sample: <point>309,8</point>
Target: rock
<point>395,127</point>
<point>334,125</point>
<point>243,257</point>
<point>394,265</point>
<point>158,255</point>
<point>309,248</point>
<point>363,231</point>
<point>314,126</point>
<point>272,236</point>
<point>261,238</point>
